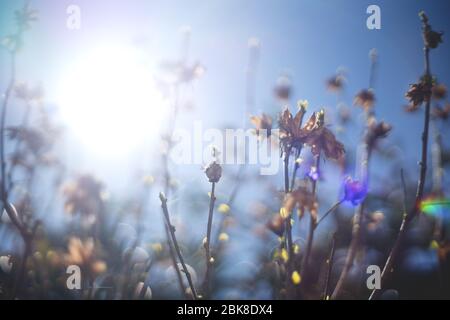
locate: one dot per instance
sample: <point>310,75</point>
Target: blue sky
<point>307,39</point>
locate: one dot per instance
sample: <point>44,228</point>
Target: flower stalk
<point>171,230</point>
<point>431,41</point>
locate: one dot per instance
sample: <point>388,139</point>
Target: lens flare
<point>436,207</point>
<point>109,101</point>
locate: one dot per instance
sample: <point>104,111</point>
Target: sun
<point>109,101</point>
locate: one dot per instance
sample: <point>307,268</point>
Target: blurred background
<point>105,96</point>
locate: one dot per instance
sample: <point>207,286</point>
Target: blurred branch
<point>330,268</point>
<point>333,207</point>
<point>409,217</point>
<point>312,226</point>
<point>171,230</point>
<point>26,235</point>
<point>207,245</point>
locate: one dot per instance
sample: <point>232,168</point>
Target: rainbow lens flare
<point>436,207</point>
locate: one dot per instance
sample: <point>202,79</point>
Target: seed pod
<point>214,172</point>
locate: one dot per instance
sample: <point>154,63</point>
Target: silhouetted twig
<point>171,230</point>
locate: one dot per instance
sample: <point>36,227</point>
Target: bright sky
<point>309,39</point>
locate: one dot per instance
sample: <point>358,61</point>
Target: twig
<point>334,207</point>
<point>167,178</point>
<point>207,244</point>
<point>330,268</point>
<point>358,220</point>
<point>28,237</point>
<point>171,230</point>
<point>312,227</point>
<point>296,167</point>
<point>409,217</point>
<point>288,226</point>
<point>358,217</point>
<point>353,248</point>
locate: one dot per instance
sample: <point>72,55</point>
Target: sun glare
<point>109,101</point>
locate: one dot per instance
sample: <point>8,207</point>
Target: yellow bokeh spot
<point>296,278</point>
<point>434,244</point>
<point>223,237</point>
<point>157,247</point>
<point>224,208</point>
<point>284,255</point>
<point>283,213</point>
<point>296,249</point>
<point>148,180</point>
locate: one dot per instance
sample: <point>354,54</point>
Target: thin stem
<point>298,152</point>
<point>171,229</point>
<point>167,189</point>
<point>28,240</point>
<point>288,226</point>
<point>358,219</point>
<point>389,262</point>
<point>208,240</point>
<point>312,227</point>
<point>296,167</point>
<point>330,268</point>
<point>352,250</point>
<point>174,259</point>
<point>286,171</point>
<point>409,217</point>
<point>334,207</point>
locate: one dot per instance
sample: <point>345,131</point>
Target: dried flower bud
<point>431,38</point>
<point>214,172</point>
<point>335,83</point>
<point>283,88</point>
<point>365,99</point>
<point>418,93</point>
<point>376,130</point>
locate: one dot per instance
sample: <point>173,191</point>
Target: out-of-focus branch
<point>171,230</point>
<point>409,217</point>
